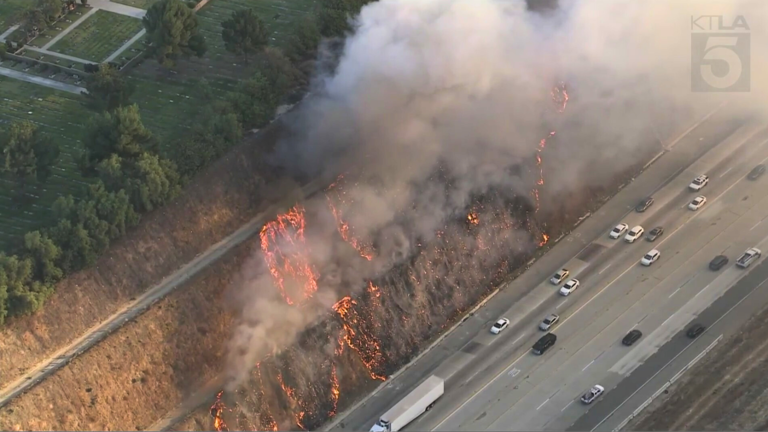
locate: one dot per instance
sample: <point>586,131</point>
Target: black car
<point>718,262</point>
<point>695,330</point>
<point>544,343</point>
<point>644,204</point>
<point>632,337</point>
<point>654,233</point>
<point>756,172</point>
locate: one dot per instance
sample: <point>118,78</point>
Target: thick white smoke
<point>462,87</point>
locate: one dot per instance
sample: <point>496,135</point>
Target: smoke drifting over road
<point>435,103</point>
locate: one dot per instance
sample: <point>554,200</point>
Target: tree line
<point>130,174</point>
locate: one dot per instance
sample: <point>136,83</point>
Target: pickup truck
<point>750,256</point>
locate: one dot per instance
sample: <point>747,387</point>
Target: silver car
<point>549,322</point>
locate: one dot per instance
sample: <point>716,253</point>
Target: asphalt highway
<point>617,295</point>
<point>492,382</point>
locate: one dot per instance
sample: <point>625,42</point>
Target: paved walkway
<point>60,55</point>
<point>125,46</point>
<point>118,8</point>
<point>69,29</point>
<point>8,33</point>
<point>10,73</point>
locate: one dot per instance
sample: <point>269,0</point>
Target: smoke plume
<point>435,102</point>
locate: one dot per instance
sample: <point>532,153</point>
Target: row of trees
<point>130,173</point>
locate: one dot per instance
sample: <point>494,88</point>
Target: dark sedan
<point>632,337</point>
<point>644,204</point>
<point>718,262</point>
<point>654,233</point>
<point>756,172</point>
<point>695,331</point>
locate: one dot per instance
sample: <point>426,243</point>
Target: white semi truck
<point>419,401</point>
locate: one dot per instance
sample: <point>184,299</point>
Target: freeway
<point>478,367</point>
<point>541,393</point>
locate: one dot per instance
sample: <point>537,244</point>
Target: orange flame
<point>560,96</point>
<point>288,229</point>
<point>365,345</point>
<point>335,391</point>
<point>291,393</point>
<point>343,227</point>
<point>544,239</point>
<point>472,218</point>
<point>266,418</point>
<point>216,409</point>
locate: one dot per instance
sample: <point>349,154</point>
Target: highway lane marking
<point>756,225</point>
<point>674,292</point>
<point>561,303</point>
<point>667,320</point>
<point>518,338</point>
<point>681,286</point>
<point>542,404</point>
<point>590,364</point>
<point>564,408</point>
<point>702,290</point>
<point>605,268</point>
<point>679,354</point>
<point>726,172</point>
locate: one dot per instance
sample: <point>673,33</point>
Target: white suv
<point>699,182</point>
<point>634,234</point>
<point>618,230</point>
<point>650,258</point>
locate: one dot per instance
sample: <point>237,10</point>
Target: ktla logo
<point>720,54</point>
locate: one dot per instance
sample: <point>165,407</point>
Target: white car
<point>619,230</point>
<point>634,234</point>
<point>592,394</point>
<point>699,182</point>
<point>650,258</point>
<point>697,202</point>
<point>500,325</point>
<point>569,287</point>
<point>560,276</point>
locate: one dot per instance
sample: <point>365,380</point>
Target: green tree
<point>33,22</point>
<point>172,28</point>
<point>45,254</point>
<point>255,101</point>
<point>50,8</point>
<point>84,2</point>
<point>115,208</point>
<point>280,72</point>
<point>107,89</point>
<point>24,295</point>
<point>244,33</point>
<point>303,42</point>
<point>149,181</point>
<point>210,138</point>
<point>78,249</point>
<point>120,132</point>
<point>26,152</point>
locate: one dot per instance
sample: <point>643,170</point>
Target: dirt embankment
<point>151,365</point>
<point>215,204</point>
<point>726,390</point>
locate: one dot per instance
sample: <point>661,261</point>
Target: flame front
<point>287,231</point>
<point>216,410</point>
<point>335,193</point>
<point>291,394</point>
<point>472,218</point>
<point>365,345</point>
<point>560,96</point>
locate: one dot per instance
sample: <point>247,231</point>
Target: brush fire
<point>374,332</point>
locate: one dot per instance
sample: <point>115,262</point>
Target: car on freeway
<point>718,262</point>
<point>650,258</point>
<point>749,256</point>
<point>544,343</point>
<point>634,234</point>
<point>756,172</point>
<point>618,230</point>
<point>549,322</point>
<point>698,183</point>
<point>695,330</point>
<point>499,325</point>
<point>569,287</point>
<point>697,202</point>
<point>592,394</point>
<point>654,233</point>
<point>560,276</point>
<point>632,337</point>
<point>644,204</point>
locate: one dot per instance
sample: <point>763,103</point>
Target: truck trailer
<point>416,403</point>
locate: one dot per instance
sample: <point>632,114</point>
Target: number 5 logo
<point>719,48</point>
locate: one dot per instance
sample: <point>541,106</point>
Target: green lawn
<point>141,4</point>
<point>9,9</point>
<point>60,115</point>
<point>98,36</point>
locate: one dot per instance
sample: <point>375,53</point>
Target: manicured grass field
<point>9,9</point>
<point>141,4</point>
<point>98,36</point>
<point>60,115</point>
